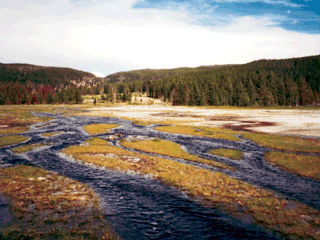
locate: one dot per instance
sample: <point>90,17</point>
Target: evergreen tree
<point>316,99</point>
<point>305,92</point>
<point>78,98</point>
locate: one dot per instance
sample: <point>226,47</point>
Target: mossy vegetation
<point>170,149</point>
<point>99,128</point>
<point>200,132</point>
<point>297,144</point>
<point>26,148</point>
<point>308,166</point>
<point>46,205</point>
<point>11,139</point>
<point>216,189</point>
<point>228,153</point>
<point>49,134</point>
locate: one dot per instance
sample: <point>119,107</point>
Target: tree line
<point>154,74</point>
<point>287,82</point>
<point>31,84</point>
<point>16,93</point>
<point>265,82</point>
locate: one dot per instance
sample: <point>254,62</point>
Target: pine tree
<point>78,98</point>
<point>305,92</point>
<point>316,99</point>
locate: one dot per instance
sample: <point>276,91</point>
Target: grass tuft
<point>12,139</point>
<point>228,153</point>
<point>49,134</point>
<point>286,143</point>
<point>200,132</point>
<point>26,148</point>
<point>170,149</point>
<point>99,128</point>
<point>141,123</point>
<point>307,166</point>
<point>46,205</point>
<point>17,118</point>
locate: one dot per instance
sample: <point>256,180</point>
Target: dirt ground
<point>287,122</point>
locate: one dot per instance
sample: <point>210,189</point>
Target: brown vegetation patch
<point>246,126</point>
<point>9,123</point>
<point>46,205</point>
<point>223,118</point>
<point>17,119</point>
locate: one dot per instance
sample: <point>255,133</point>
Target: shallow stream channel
<point>139,207</point>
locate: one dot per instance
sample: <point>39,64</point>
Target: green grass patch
<point>46,205</point>
<point>99,128</point>
<point>215,188</point>
<point>228,153</point>
<point>287,143</point>
<point>11,139</point>
<point>307,166</point>
<point>26,148</point>
<point>51,134</point>
<point>200,132</point>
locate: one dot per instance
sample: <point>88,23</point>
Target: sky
<point>108,36</point>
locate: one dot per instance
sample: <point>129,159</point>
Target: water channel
<point>138,207</point>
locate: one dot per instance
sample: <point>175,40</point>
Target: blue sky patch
<point>295,15</point>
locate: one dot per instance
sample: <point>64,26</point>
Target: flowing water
<point>141,208</point>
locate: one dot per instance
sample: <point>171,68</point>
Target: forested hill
<point>293,81</point>
<point>154,74</point>
<point>56,77</point>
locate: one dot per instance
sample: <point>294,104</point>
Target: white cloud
<point>273,2</point>
<point>98,74</point>
<point>112,36</point>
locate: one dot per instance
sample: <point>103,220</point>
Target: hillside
<point>294,81</point>
<point>154,74</point>
<point>56,77</point>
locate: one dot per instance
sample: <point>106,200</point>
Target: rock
<point>112,137</point>
<point>138,138</point>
